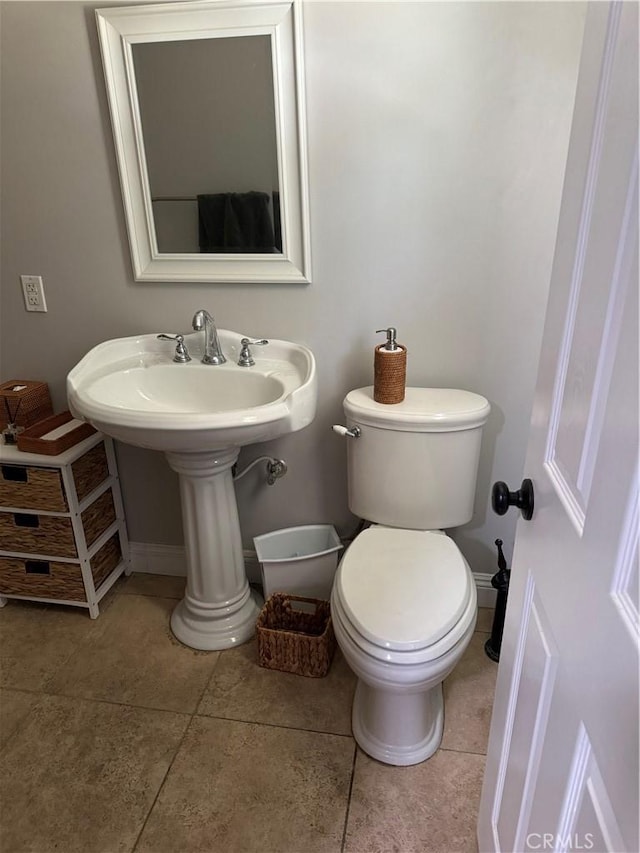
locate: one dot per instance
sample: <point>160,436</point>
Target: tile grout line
<point>346,817</point>
<point>191,714</point>
<point>273,725</point>
<point>43,694</point>
<point>209,680</point>
<point>161,785</point>
<point>461,751</point>
<point>175,754</point>
<point>98,700</point>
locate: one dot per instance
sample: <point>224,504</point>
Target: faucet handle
<point>181,355</point>
<point>246,359</point>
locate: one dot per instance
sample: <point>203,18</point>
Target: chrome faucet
<point>212,352</point>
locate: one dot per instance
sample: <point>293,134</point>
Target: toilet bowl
<point>404,601</point>
<point>402,632</point>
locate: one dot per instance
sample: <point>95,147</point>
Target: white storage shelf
<point>63,537</point>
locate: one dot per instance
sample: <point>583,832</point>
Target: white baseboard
<point>158,559</point>
<point>171,560</point>
<point>486,593</point>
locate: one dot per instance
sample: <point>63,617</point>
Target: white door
<point>562,764</point>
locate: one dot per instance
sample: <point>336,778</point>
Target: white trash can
<point>299,560</point>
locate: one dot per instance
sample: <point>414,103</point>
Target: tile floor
<point>115,738</point>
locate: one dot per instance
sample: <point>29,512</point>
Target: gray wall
<point>437,139</point>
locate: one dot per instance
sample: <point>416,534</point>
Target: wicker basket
<point>42,488</point>
<point>38,578</point>
<point>30,533</point>
<point>32,487</point>
<point>24,402</point>
<point>90,470</point>
<point>296,639</point>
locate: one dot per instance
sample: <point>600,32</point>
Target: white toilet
<point>404,601</point>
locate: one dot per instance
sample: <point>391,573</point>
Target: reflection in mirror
<point>208,126</point>
<point>207,108</point>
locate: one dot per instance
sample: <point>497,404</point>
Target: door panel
<point>562,766</point>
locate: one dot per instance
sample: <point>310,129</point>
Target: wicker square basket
<point>24,402</point>
<point>295,635</point>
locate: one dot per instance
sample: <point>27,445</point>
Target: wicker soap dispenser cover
<point>389,370</point>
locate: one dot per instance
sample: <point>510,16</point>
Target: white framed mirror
<point>207,109</point>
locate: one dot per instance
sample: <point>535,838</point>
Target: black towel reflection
<point>236,222</point>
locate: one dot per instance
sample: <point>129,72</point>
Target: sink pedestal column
<point>219,610</point>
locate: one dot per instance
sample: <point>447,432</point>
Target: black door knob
<point>502,498</point>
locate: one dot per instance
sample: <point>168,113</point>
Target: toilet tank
<point>415,463</point>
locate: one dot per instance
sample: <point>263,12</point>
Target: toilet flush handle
<point>354,432</point>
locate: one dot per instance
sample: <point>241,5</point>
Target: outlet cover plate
<point>33,292</point>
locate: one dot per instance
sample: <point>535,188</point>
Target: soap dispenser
<point>389,369</point>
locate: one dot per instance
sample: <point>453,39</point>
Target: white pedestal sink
<point>200,416</point>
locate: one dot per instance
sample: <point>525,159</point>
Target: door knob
<point>502,498</point>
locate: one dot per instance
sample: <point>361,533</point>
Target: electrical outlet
<point>33,292</point>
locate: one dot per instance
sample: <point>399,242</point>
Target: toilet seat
<point>424,600</point>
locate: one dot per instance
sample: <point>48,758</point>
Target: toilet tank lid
<point>422,410</point>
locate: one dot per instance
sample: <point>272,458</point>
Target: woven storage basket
<point>54,580</point>
<point>90,470</point>
<point>36,488</point>
<point>30,533</point>
<point>296,640</point>
<point>42,488</point>
<point>26,406</point>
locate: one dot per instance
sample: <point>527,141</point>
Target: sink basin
<point>200,416</point>
<point>196,390</point>
<point>130,389</point>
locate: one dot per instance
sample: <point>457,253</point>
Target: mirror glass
<point>210,147</point>
<point>206,102</point>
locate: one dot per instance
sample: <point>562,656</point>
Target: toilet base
<point>398,728</point>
